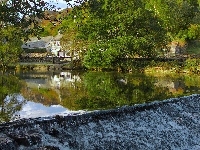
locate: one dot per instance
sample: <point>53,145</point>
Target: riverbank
<point>170,124</point>
<point>43,66</point>
<point>179,64</point>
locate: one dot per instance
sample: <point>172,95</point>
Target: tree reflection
<point>43,95</point>
<point>95,90</point>
<point>105,90</point>
<point>71,93</point>
<point>10,86</point>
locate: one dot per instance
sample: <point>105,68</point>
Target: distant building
<point>55,45</point>
<point>50,43</point>
<point>35,43</point>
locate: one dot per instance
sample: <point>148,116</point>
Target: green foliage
<point>10,45</point>
<point>18,20</point>
<point>193,47</point>
<point>103,32</point>
<point>178,16</point>
<point>192,65</point>
<point>69,28</point>
<point>194,32</point>
<point>118,29</point>
<point>24,15</point>
<point>49,27</point>
<point>46,30</point>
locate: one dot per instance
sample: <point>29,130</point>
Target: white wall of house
<point>55,47</point>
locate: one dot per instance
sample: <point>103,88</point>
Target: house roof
<point>37,43</point>
<point>43,42</point>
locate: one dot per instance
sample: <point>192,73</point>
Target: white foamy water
<point>172,124</point>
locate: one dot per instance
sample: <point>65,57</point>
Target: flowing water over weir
<point>170,124</point>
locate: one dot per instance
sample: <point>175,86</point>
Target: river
<point>30,94</point>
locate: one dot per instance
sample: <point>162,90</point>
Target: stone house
<point>50,43</point>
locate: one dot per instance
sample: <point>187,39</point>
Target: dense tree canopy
<point>118,29</point>
<point>10,45</point>
<point>180,17</point>
<point>114,29</point>
<point>104,31</point>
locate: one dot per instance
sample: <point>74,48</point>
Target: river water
<point>30,94</point>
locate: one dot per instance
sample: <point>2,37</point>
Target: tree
<point>52,21</point>
<point>18,20</point>
<point>70,30</point>
<point>23,14</point>
<point>117,29</point>
<point>10,45</point>
<point>178,17</point>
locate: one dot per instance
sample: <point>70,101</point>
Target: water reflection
<point>109,90</point>
<point>103,90</point>
<point>63,79</point>
<point>69,90</point>
<point>10,87</point>
<point>32,110</point>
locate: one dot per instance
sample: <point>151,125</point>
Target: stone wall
<point>34,54</point>
<point>43,58</point>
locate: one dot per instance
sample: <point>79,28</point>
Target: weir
<point>172,122</point>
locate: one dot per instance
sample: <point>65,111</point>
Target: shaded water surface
<point>35,94</point>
